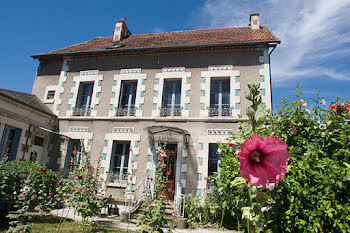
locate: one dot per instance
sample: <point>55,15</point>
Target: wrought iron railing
<point>219,111</point>
<point>125,111</point>
<point>82,111</point>
<point>179,201</point>
<point>114,177</point>
<point>172,111</point>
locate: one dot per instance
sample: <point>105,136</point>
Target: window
<point>38,141</point>
<point>171,98</point>
<point>50,95</point>
<point>126,106</point>
<point>214,159</point>
<point>119,161</point>
<point>9,142</point>
<point>219,97</point>
<point>83,104</point>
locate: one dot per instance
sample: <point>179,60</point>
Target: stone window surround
<point>47,89</point>
<point>86,137</point>
<point>205,88</point>
<point>107,150</point>
<point>203,154</point>
<point>264,71</point>
<point>128,74</point>
<point>60,87</point>
<point>172,73</point>
<point>75,89</point>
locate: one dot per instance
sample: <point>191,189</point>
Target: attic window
<point>115,46</point>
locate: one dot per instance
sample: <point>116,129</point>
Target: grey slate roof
<point>31,101</point>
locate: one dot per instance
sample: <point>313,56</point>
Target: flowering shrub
<point>84,186</point>
<point>29,182</point>
<point>29,187</point>
<point>153,217</point>
<point>313,195</point>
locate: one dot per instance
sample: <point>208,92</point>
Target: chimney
<point>254,21</point>
<point>121,31</point>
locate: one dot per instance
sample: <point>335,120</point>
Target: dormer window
<point>83,104</point>
<point>220,97</point>
<point>127,98</point>
<point>171,102</point>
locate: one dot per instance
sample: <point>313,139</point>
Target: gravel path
<point>114,221</point>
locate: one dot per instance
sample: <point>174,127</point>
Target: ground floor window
<point>9,142</point>
<point>214,159</point>
<point>74,145</point>
<point>120,160</point>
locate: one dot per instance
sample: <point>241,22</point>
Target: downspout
<point>274,47</point>
<point>29,135</point>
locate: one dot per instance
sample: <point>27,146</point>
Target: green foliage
<point>153,216</point>
<point>193,210</point>
<point>15,175</point>
<point>30,186</point>
<point>314,195</point>
<point>84,186</point>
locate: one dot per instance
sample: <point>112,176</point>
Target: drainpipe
<point>274,47</point>
<point>26,145</point>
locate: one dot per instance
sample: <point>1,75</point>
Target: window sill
<point>49,101</point>
<point>119,184</point>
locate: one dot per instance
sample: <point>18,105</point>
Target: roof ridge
<point>190,30</point>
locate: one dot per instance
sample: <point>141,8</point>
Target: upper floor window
<point>83,104</point>
<point>214,159</point>
<point>127,98</point>
<point>119,161</point>
<point>50,95</point>
<point>219,97</point>
<point>171,102</point>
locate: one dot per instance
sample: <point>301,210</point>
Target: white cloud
<point>315,34</point>
<point>157,30</point>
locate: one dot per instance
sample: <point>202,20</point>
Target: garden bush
<point>30,178</point>
<point>314,194</point>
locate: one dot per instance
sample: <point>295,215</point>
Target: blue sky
<point>315,49</point>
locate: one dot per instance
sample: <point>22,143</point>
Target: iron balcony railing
<point>82,111</point>
<point>170,111</point>
<point>219,111</point>
<point>114,177</point>
<point>125,111</point>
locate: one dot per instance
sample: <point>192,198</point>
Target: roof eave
<point>153,48</point>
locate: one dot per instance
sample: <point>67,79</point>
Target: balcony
<point>223,111</point>
<point>82,111</point>
<point>114,179</point>
<point>125,111</point>
<point>172,111</point>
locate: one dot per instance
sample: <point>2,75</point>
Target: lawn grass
<point>54,224</point>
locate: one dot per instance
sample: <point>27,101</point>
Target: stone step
<point>134,221</point>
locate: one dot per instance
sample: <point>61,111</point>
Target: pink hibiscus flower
<point>263,162</point>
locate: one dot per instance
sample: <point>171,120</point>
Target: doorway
<point>170,161</point>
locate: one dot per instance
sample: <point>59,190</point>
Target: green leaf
<point>263,198</point>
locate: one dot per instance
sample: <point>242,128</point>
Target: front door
<point>170,161</point>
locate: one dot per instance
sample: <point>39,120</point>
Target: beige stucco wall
<point>25,118</point>
<point>247,62</point>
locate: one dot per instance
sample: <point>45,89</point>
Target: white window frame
<point>128,75</point>
<point>96,79</point>
<point>172,73</point>
<point>47,89</point>
<point>218,71</point>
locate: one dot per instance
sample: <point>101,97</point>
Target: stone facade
<point>98,131</point>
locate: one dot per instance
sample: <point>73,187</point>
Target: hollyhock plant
<point>263,162</point>
<point>303,102</point>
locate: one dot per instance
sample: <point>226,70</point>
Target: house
<point>26,128</point>
<point>124,94</point>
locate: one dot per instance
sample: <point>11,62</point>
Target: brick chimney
<point>254,21</point>
<point>121,31</point>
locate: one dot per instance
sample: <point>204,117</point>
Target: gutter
<point>154,48</point>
